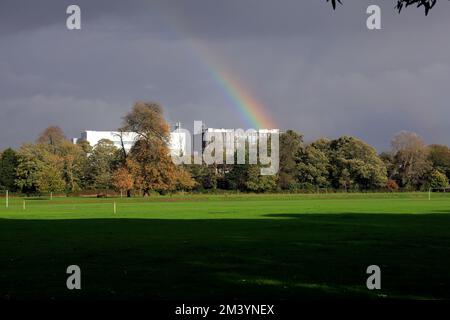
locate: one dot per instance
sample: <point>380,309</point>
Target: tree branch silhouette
<point>426,4</point>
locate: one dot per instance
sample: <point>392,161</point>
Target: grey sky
<point>318,71</point>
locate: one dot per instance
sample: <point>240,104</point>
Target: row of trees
<point>346,163</point>
<point>350,164</point>
<point>54,164</point>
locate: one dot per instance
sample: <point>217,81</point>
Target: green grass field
<point>227,247</point>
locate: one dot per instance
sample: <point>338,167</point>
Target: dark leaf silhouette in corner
<point>426,4</point>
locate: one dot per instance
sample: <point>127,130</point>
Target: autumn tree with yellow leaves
<point>149,161</point>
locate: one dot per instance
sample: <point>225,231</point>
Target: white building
<point>239,135</point>
<point>177,139</point>
<point>93,137</point>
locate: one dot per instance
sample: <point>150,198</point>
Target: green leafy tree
<point>39,170</point>
<point>74,165</point>
<point>49,179</point>
<point>290,150</point>
<point>355,165</point>
<point>438,180</point>
<point>247,177</point>
<point>83,165</point>
<point>101,162</point>
<point>205,176</point>
<point>71,158</point>
<point>388,160</point>
<point>255,182</point>
<point>236,177</point>
<point>8,167</point>
<point>345,180</point>
<point>27,173</point>
<point>439,155</point>
<point>313,168</point>
<point>410,158</point>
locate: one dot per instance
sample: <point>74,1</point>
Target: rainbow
<point>251,111</point>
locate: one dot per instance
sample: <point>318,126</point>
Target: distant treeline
<point>54,164</point>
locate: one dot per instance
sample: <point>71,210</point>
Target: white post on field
<point>115,207</point>
<point>51,195</point>
<point>24,207</point>
<point>7,198</point>
<point>429,194</point>
<point>121,193</point>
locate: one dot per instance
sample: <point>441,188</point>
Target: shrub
<point>392,185</point>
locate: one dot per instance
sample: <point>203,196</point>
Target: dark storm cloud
<point>317,71</point>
